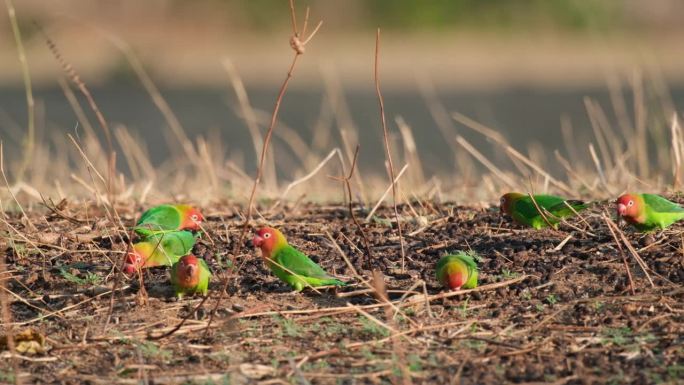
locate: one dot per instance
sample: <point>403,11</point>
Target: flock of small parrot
<point>168,233</point>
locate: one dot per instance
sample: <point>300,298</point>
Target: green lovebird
<point>190,275</point>
<point>457,271</point>
<point>169,218</point>
<point>290,264</point>
<point>648,212</point>
<point>162,249</point>
<point>521,208</point>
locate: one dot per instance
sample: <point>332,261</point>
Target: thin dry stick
<point>540,211</point>
<point>308,176</point>
<point>387,191</point>
<point>372,289</point>
<point>298,46</point>
<point>347,183</point>
<point>385,133</point>
<point>117,279</point>
<point>29,143</point>
<point>676,151</point>
<point>180,324</point>
<point>634,253</point>
<point>622,253</point>
<point>485,162</point>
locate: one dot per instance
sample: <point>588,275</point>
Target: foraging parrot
<point>289,264</point>
<point>521,208</point>
<point>162,249</point>
<point>647,212</point>
<point>457,271</point>
<point>169,218</point>
<point>190,275</point>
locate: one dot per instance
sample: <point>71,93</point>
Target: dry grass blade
<point>347,183</point>
<point>622,253</point>
<point>384,195</point>
<point>71,73</point>
<point>540,211</point>
<point>485,162</point>
<point>250,118</point>
<point>629,247</point>
<point>676,135</point>
<point>308,176</point>
<point>4,177</point>
<point>30,140</point>
<point>388,152</point>
<point>510,151</point>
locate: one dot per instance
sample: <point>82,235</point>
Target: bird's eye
<point>267,235</point>
<point>630,203</point>
<point>137,259</point>
<point>194,217</point>
<point>503,200</point>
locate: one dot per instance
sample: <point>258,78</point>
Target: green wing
<point>205,277</point>
<point>524,210</point>
<point>525,207</point>
<point>659,204</point>
<point>298,263</point>
<point>660,212</point>
<point>297,270</point>
<point>178,242</point>
<point>164,217</point>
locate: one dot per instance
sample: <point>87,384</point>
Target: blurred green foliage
<point>496,14</point>
<point>436,15</point>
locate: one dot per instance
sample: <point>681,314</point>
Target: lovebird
<point>648,212</point>
<point>162,249</point>
<point>168,218</point>
<point>521,208</point>
<point>190,275</point>
<point>289,264</point>
<point>457,271</point>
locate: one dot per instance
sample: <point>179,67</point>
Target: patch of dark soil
<point>551,309</point>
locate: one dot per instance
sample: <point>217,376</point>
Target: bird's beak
<point>257,241</point>
<point>622,209</point>
<point>190,269</point>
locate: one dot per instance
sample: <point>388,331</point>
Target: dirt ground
<point>552,306</point>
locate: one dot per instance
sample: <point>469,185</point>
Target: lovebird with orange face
<point>289,264</point>
<point>522,210</point>
<point>457,271</point>
<point>190,275</point>
<point>648,212</point>
<point>162,249</point>
<point>165,218</point>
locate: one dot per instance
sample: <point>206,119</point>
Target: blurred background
<point>528,69</point>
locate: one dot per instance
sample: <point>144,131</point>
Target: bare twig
<point>622,253</point>
<point>629,247</point>
<point>388,152</point>
<point>387,191</point>
<point>347,183</point>
<point>298,48</point>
